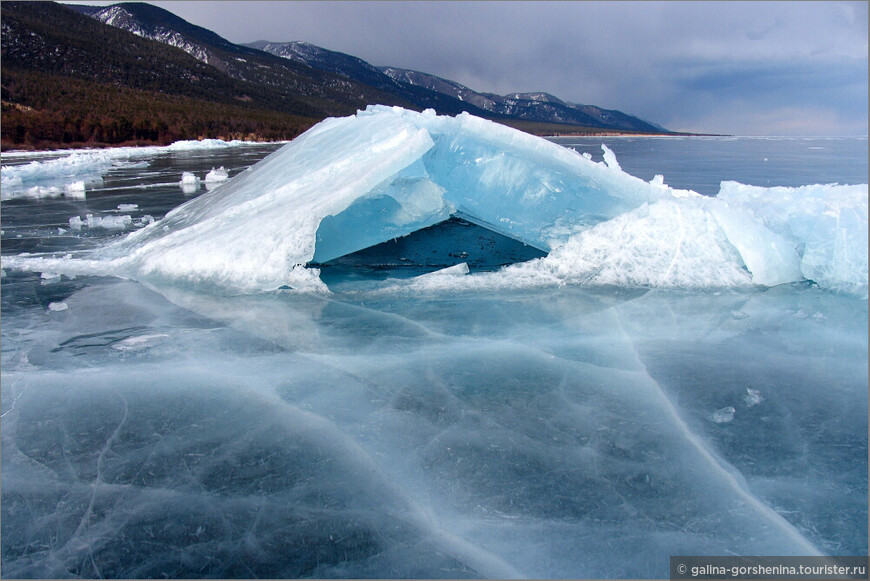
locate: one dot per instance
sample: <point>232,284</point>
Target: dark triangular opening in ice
<point>445,244</point>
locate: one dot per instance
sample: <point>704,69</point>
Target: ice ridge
<point>350,183</point>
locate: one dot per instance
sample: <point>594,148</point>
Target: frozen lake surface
<point>403,426</point>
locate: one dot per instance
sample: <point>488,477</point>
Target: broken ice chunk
<point>188,178</point>
<point>75,190</point>
<point>145,220</point>
<point>59,306</point>
<point>217,175</point>
<point>109,222</point>
<point>610,158</point>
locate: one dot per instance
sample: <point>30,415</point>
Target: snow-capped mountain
<point>539,106</point>
<point>120,17</point>
<point>336,72</point>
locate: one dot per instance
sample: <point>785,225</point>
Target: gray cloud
<point>725,67</point>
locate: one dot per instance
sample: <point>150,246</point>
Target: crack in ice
<point>719,466</point>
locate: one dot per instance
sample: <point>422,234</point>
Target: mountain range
<point>136,73</point>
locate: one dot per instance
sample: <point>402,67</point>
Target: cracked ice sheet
<point>545,434</point>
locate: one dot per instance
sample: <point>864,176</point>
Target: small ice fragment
<point>140,343</point>
<point>724,415</point>
<point>455,270</point>
<point>61,230</point>
<point>127,207</point>
<point>75,223</point>
<point>109,222</point>
<point>658,180</point>
<point>42,192</point>
<point>2,273</point>
<point>820,316</point>
<point>75,190</point>
<point>801,314</point>
<point>217,175</point>
<point>753,397</point>
<point>188,178</point>
<point>49,276</point>
<point>145,220</point>
<point>587,155</point>
<point>739,315</point>
<point>59,306</point>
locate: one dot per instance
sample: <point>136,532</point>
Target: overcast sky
<point>746,68</point>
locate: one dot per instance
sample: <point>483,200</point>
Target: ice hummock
<point>352,183</point>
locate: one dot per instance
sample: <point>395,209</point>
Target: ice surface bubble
<point>723,415</point>
<point>140,342</point>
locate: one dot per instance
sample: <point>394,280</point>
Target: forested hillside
<point>134,73</point>
<point>68,79</point>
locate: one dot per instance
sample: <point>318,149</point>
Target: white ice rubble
<point>353,182</point>
<point>217,175</point>
<point>69,174</point>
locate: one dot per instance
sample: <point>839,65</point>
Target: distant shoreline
<point>630,134</point>
<point>539,129</point>
<point>47,147</point>
<point>543,129</point>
